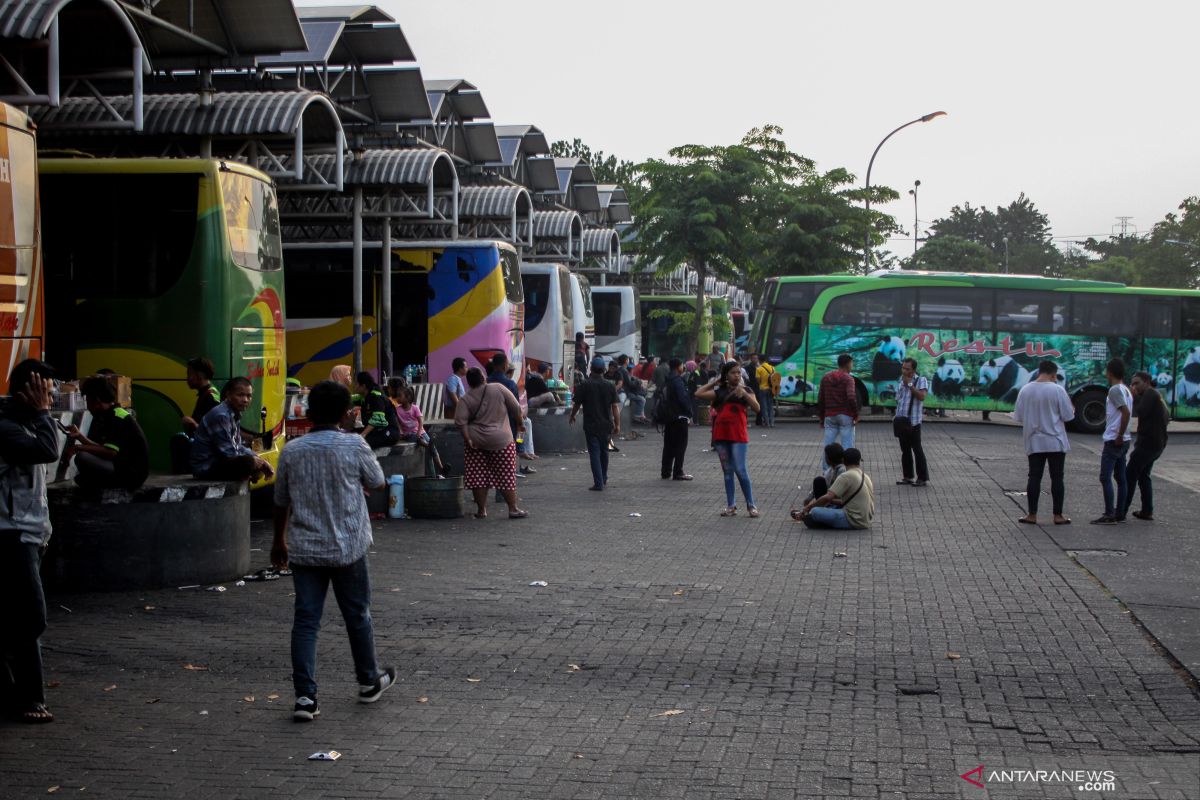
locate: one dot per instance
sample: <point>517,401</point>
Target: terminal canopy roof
<point>174,29</point>
<point>576,184</point>
<point>346,36</point>
<point>614,202</point>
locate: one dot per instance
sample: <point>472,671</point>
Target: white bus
<point>549,318</point>
<point>618,321</point>
<point>581,310</point>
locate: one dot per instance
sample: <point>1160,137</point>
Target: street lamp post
<point>916,220</point>
<point>1005,255</point>
<point>871,163</point>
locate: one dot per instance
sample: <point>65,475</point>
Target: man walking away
<point>1044,408</point>
<point>28,442</point>
<point>677,413</point>
<point>1151,411</point>
<point>323,533</point>
<point>906,425</point>
<point>601,419</point>
<point>837,403</point>
<point>1117,410</point>
<point>849,503</point>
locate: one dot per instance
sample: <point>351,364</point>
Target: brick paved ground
<point>799,672</point>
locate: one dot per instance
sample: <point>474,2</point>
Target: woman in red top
<point>730,400</point>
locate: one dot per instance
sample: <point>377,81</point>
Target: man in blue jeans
<point>837,404</point>
<point>601,419</point>
<point>1116,444</point>
<point>323,532</point>
<point>849,503</point>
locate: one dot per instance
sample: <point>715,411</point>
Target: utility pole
<point>916,224</point>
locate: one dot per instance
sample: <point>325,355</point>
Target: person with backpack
<point>673,413</point>
<point>850,501</point>
<point>766,379</point>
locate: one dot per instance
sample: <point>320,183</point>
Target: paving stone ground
<point>799,671</point>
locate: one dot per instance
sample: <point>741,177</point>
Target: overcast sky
<point>1086,107</point>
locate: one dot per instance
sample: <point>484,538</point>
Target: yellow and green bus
<point>150,262</point>
<point>978,338</point>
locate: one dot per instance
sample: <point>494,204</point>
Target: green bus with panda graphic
<point>978,338</point>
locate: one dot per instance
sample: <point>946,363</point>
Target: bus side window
<point>1190,327</point>
<point>1104,314</point>
<point>1158,317</point>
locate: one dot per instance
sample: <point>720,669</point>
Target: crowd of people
<point>322,527</point>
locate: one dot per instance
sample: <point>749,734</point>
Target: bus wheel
<point>1089,411</point>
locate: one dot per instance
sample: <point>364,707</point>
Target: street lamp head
<point>916,183</point>
<point>934,115</point>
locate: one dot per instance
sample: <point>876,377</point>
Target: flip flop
<point>1063,521</point>
<point>522,514</point>
<point>477,515</point>
<point>37,714</point>
<point>730,512</point>
<point>1024,521</point>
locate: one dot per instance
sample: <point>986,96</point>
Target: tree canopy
<point>750,210</point>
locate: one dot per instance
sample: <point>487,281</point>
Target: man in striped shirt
<point>910,405</point>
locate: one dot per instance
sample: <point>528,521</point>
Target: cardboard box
<point>122,386</point>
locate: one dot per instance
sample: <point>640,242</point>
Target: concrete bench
<point>173,531</point>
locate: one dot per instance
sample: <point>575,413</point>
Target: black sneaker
<point>306,709</point>
<point>1144,516</point>
<point>369,694</point>
<point>1104,519</point>
<point>920,483</point>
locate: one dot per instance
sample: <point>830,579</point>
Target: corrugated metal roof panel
<point>556,224</point>
<point>398,167</point>
<point>600,241</point>
<point>229,114</point>
<point>492,201</point>
<point>27,19</point>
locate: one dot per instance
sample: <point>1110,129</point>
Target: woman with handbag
<point>906,425</point>
<point>490,457</point>
<point>730,437</point>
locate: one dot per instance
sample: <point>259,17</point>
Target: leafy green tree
<point>1030,248</point>
<point>954,254</point>
<point>750,210</point>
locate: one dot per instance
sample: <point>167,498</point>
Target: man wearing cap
<point>601,419</point>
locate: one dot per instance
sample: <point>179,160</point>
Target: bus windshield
<point>252,222</point>
<point>537,298</point>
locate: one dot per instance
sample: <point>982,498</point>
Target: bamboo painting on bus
<point>979,338</point>
<point>20,244</point>
<point>450,299</point>
<point>150,262</point>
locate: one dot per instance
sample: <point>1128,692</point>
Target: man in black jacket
<point>28,442</point>
<point>676,416</point>
<point>1152,415</point>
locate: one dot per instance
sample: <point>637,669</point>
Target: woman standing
<point>730,400</point>
<point>381,427</point>
<point>490,456</point>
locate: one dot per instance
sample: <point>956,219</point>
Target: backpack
<point>663,411</point>
<point>776,382</point>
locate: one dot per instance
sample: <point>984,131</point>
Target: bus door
<point>257,353</point>
<point>20,262</point>
<point>1158,322</point>
<point>785,340</point>
<point>410,308</point>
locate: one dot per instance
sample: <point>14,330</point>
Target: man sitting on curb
<point>114,454</point>
<point>218,452</point>
<point>854,494</point>
<point>323,533</point>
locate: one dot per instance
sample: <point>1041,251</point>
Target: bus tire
<point>1089,411</point>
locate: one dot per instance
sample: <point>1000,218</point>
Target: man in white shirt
<point>1117,410</point>
<point>1043,408</point>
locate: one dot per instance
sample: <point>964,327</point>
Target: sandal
<point>752,511</point>
<point>518,514</point>
<point>1027,521</point>
<point>477,515</point>
<point>730,512</point>
<point>37,714</point>
<point>797,514</point>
